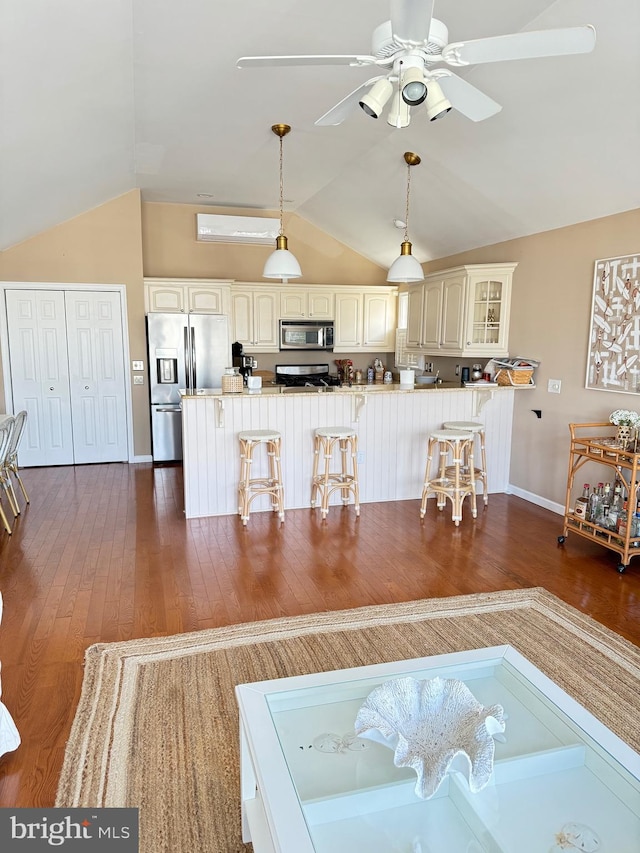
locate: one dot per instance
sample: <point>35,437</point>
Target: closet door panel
<point>97,383</point>
<point>39,375</point>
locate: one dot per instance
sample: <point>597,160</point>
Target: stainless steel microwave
<point>306,334</point>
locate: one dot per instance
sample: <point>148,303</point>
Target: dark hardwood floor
<point>104,553</point>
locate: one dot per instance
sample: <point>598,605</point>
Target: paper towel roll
<point>407,377</point>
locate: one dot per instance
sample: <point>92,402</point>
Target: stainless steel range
<point>301,375</point>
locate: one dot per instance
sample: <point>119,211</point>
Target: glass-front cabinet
<point>489,300</point>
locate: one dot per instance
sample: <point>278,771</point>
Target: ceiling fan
<point>413,51</point>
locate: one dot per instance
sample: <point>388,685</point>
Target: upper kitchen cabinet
<point>365,319</point>
<point>462,311</point>
<point>187,295</point>
<point>255,317</point>
<point>307,303</point>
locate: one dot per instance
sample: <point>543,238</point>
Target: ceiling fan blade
<point>338,113</point>
<point>266,61</point>
<point>411,20</point>
<point>533,45</point>
<point>468,100</point>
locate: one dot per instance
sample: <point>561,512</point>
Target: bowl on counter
<point>426,380</point>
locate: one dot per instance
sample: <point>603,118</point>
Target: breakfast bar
<point>392,424</point>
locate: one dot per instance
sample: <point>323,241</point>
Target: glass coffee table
<point>308,785</point>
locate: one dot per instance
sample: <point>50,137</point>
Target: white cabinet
<point>461,311</point>
<point>365,320</point>
<point>187,295</point>
<point>255,313</point>
<point>314,304</point>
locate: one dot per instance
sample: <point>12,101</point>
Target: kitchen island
<point>392,422</point>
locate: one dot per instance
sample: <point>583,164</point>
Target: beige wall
<point>170,249</point>
<point>550,314</point>
<point>102,246</point>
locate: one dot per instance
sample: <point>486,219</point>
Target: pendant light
<point>281,263</point>
<point>406,267</point>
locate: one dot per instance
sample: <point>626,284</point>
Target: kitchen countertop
<point>270,390</point>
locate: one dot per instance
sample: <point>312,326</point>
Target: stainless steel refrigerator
<point>186,351</point>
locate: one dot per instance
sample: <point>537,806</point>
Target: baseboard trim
<point>535,499</point>
<point>137,459</point>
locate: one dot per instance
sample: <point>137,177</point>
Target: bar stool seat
<point>271,484</point>
<point>325,481</point>
<point>481,471</point>
<point>451,481</point>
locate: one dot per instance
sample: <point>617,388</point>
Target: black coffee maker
<point>243,362</point>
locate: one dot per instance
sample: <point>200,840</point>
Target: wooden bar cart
<point>625,463</point>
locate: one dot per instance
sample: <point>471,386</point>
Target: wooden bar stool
<point>326,481</point>
<point>478,431</point>
<point>447,451</point>
<point>250,487</point>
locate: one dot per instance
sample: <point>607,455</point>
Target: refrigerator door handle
<point>194,360</point>
<point>187,359</point>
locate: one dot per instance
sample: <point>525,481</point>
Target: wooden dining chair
<point>11,460</point>
<point>6,426</point>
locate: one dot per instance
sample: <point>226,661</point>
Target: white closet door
<point>96,376</point>
<point>39,374</point>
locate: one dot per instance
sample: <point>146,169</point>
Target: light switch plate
<point>138,365</point>
<point>554,386</point>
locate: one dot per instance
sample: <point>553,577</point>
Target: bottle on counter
<point>581,507</point>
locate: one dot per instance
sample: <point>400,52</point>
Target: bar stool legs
<point>250,487</point>
<point>325,481</point>
<point>478,430</point>
<point>448,449</point>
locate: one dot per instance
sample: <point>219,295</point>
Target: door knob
<point>86,387</point>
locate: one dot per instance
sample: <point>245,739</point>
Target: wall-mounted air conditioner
<point>216,228</point>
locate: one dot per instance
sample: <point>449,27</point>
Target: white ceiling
<point>97,98</point>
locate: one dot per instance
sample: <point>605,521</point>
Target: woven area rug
<point>157,722</point>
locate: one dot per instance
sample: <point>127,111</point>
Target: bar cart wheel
<point>562,540</point>
<point>621,567</point>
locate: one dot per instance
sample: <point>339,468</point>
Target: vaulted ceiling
<point>97,98</point>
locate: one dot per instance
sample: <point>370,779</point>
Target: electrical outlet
<point>138,380</point>
<point>360,457</point>
<point>457,370</point>
<point>554,386</point>
<point>137,365</point>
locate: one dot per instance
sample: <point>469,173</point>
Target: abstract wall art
<point>613,363</point>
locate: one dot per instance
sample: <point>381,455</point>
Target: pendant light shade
<point>406,268</point>
<point>282,263</point>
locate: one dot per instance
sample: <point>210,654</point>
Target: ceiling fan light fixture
<point>406,268</point>
<point>437,105</point>
<point>376,98</point>
<point>398,115</point>
<point>414,89</point>
<point>281,263</point>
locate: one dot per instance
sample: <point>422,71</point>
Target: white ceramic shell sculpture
<point>429,724</point>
